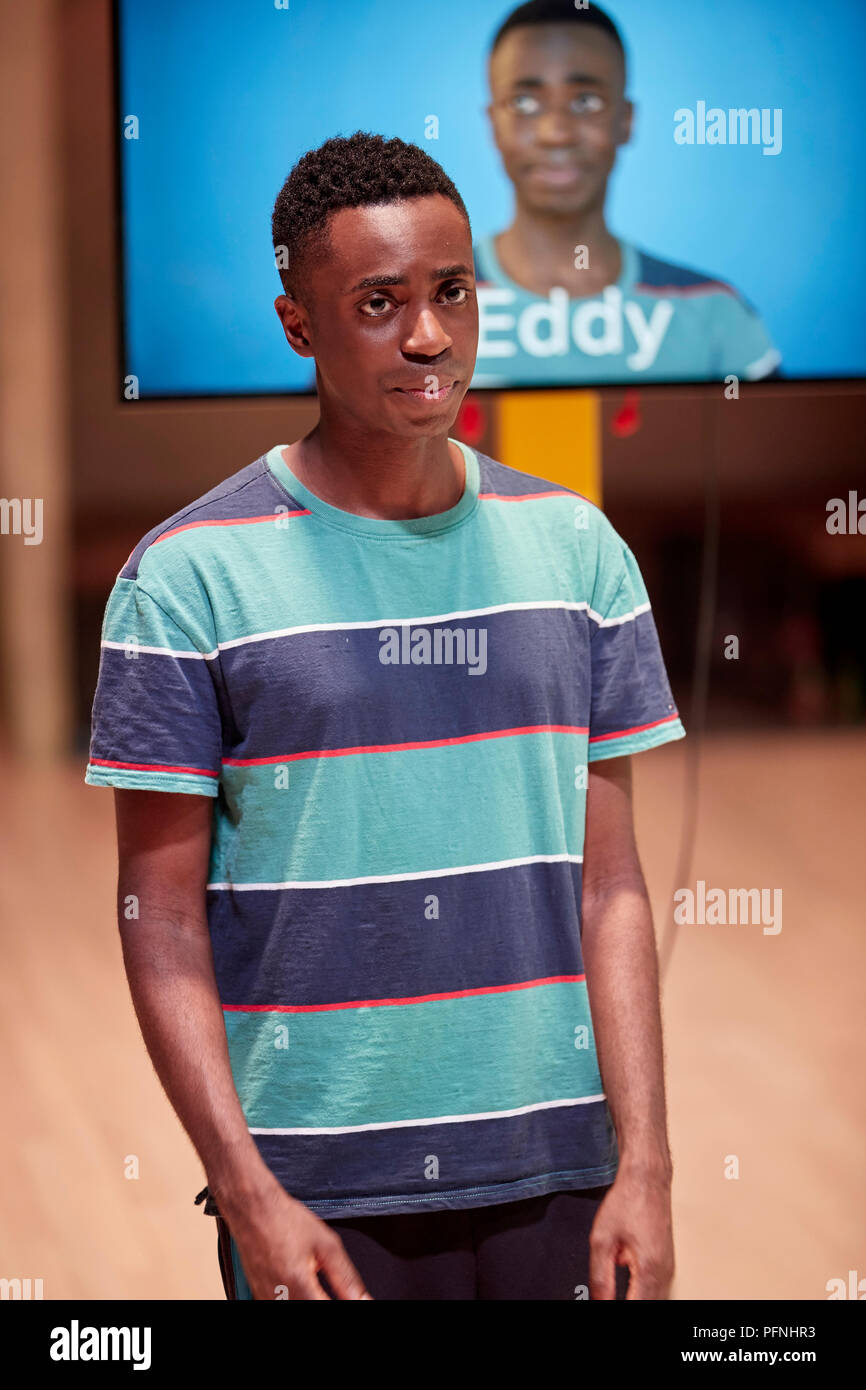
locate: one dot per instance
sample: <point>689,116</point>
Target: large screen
<point>699,216</point>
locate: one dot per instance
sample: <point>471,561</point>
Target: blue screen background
<point>229,95</point>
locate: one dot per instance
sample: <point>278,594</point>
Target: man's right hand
<point>163,843</point>
<point>283,1245</point>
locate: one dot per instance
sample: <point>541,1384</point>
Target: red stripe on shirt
<point>153,767</point>
<point>230,521</point>
<point>531,496</point>
<point>400,747</point>
<point>638,728</point>
<point>411,999</point>
<point>685,290</point>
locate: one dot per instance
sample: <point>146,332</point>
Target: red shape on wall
<point>627,419</point>
<point>471,422</point>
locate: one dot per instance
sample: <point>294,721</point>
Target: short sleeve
<point>155,721</point>
<point>632,707</point>
<point>743,345</point>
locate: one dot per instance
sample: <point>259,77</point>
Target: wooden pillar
<point>35,614</point>
<point>555,435</point>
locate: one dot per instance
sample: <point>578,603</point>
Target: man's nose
<point>427,336</point>
<point>558,128</point>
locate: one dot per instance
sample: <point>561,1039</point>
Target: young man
<point>407,681</point>
<point>562,299</point>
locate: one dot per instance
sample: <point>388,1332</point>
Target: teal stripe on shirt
<point>264,579</point>
<point>622,746</point>
<point>411,1061</point>
<point>373,813</point>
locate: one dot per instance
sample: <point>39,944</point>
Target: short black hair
<point>557,12</point>
<point>347,171</point>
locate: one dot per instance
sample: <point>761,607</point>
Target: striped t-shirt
<point>659,322</point>
<point>395,719</point>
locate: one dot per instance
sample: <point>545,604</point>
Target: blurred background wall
<point>780,785</point>
<point>116,467</point>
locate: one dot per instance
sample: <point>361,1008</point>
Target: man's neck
<point>382,476</point>
<point>539,251</point>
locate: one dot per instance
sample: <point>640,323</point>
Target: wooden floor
<point>764,1038</point>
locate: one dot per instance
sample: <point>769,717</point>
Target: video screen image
<point>657,193</point>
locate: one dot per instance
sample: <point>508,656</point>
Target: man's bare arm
<point>163,854</point>
<point>621,965</point>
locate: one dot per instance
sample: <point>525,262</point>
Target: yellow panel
<point>555,435</point>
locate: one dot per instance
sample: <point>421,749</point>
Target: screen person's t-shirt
<point>659,322</point>
<point>395,719</point>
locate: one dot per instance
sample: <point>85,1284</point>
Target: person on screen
<point>562,299</point>
<point>398,686</point>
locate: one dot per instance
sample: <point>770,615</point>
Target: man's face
<point>391,306</point>
<point>559,113</point>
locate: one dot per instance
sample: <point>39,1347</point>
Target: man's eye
<point>588,103</point>
<point>457,289</point>
<point>525,105</point>
<point>368,307</point>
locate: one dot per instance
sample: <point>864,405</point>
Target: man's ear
<point>625,123</point>
<point>294,322</point>
<point>490,113</point>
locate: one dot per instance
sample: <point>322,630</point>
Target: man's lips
<point>557,173</point>
<point>421,393</point>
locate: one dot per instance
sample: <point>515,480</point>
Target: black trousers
<point>537,1248</point>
